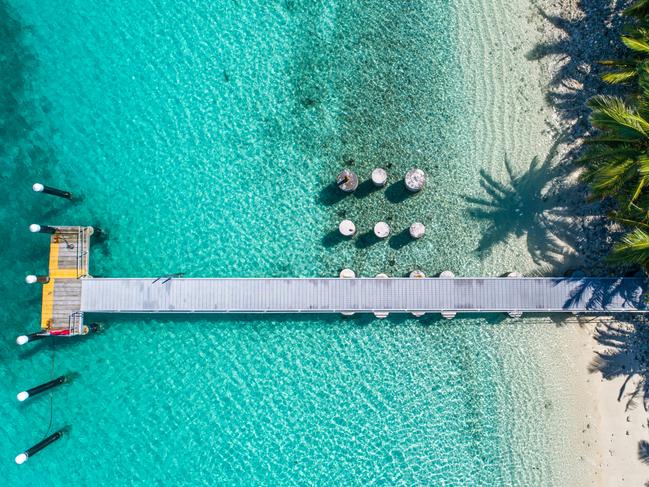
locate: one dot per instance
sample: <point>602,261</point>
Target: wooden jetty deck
<point>69,263</point>
<point>71,292</point>
<point>331,295</point>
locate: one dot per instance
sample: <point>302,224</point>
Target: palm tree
<point>633,249</point>
<point>639,9</point>
<point>636,65</point>
<point>618,161</point>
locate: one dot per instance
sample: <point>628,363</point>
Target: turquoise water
<point>203,135</point>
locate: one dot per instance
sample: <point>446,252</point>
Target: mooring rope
<point>49,426</point>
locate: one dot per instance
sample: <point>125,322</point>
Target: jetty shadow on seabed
<point>527,205</point>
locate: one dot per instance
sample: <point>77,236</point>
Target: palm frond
<point>613,115</point>
<point>633,248</point>
<point>639,9</point>
<point>636,44</point>
<point>617,77</point>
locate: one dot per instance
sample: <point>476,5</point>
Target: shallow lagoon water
<point>203,136</point>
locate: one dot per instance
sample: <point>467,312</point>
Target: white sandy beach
<point>619,420</point>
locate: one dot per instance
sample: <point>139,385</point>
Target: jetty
<point>72,293</point>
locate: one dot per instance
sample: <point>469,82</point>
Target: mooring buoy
<point>32,337</point>
<point>30,452</point>
<point>41,188</point>
<point>36,228</point>
<point>31,279</point>
<point>24,395</point>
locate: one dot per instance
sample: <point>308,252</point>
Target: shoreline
<point>554,46</point>
<point>613,430</point>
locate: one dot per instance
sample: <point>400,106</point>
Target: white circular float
<point>21,458</point>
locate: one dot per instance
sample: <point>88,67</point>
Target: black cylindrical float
<point>41,188</point>
<point>22,339</point>
<point>36,228</point>
<point>23,457</point>
<point>38,389</point>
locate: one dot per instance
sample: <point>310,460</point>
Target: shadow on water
<point>366,240</point>
<point>400,240</point>
<point>579,77</point>
<point>331,194</point>
<point>366,188</point>
<point>397,192</point>
<point>528,205</point>
<point>332,239</point>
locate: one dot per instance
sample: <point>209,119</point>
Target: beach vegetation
<point>617,157</point>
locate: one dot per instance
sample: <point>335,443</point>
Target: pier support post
<point>30,452</point>
<point>379,177</point>
<point>382,230</point>
<point>446,314</point>
<point>417,274</point>
<point>24,395</point>
<point>415,180</point>
<point>347,228</point>
<point>347,181</point>
<point>41,188</point>
<point>515,313</point>
<point>32,337</point>
<point>32,279</point>
<point>381,314</point>
<point>36,228</point>
<point>417,230</point>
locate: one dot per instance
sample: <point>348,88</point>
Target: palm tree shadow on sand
<point>528,205</point>
<point>597,25</point>
<point>626,355</point>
